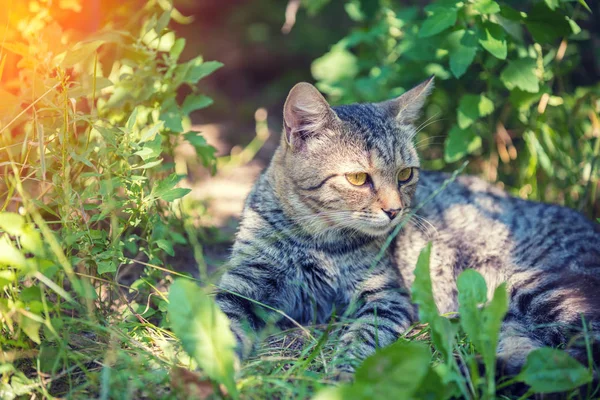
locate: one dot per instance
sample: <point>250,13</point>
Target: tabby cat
<point>341,180</point>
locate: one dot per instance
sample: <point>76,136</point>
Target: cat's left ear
<point>406,108</point>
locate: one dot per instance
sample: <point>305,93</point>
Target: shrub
<point>88,127</point>
<point>513,93</point>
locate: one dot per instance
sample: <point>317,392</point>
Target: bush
<point>88,127</point>
<point>516,78</point>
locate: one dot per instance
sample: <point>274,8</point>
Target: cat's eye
<point>405,175</point>
<point>357,178</point>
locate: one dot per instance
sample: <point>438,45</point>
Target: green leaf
<point>12,223</point>
<point>195,102</point>
<point>80,53</point>
<point>538,152</point>
<point>459,143</point>
<point>398,368</point>
<point>205,152</point>
<point>441,17</point>
<point>486,7</point>
<point>177,48</point>
<point>521,74</point>
<point>491,321</point>
<point>166,246</point>
<point>550,370</point>
<point>132,119</point>
<point>433,387</point>
<point>472,293</point>
<point>196,69</point>
<point>552,4</point>
<point>442,331</point>
<point>204,332</point>
<point>174,194</point>
<point>494,40</point>
<point>471,108</point>
<point>462,46</point>
<point>31,240</point>
<point>585,5</point>
<point>10,255</point>
<point>106,266</point>
<point>546,25</point>
<point>336,65</point>
<point>31,328</point>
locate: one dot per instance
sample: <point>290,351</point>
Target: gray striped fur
<point>307,239</point>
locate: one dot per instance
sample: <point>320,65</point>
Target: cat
<point>341,180</point>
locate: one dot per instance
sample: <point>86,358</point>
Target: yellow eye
<point>357,178</point>
<point>405,175</point>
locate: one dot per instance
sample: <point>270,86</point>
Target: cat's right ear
<point>306,113</point>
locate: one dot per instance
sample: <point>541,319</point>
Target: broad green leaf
<point>164,186</point>
<point>31,240</point>
<point>336,65</point>
<point>494,40</point>
<point>205,152</point>
<point>486,7</point>
<point>172,119</point>
<point>462,46</point>
<point>440,17</point>
<point>491,321</point>
<point>151,149</point>
<point>524,100</point>
<point>7,277</point>
<point>148,165</point>
<point>334,393</point>
<point>471,108</point>
<point>196,69</point>
<point>10,255</point>
<point>546,25</point>
<point>551,370</point>
<point>552,4</point>
<point>80,53</point>
<point>434,388</point>
<point>12,223</point>
<point>398,368</point>
<point>31,328</point>
<point>106,266</point>
<point>472,293</point>
<point>131,121</point>
<point>177,48</point>
<point>204,332</point>
<point>195,102</point>
<point>521,74</point>
<point>459,143</point>
<point>166,246</point>
<point>442,331</point>
<point>174,194</point>
<point>422,289</point>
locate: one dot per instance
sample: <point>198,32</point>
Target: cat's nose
<point>391,213</point>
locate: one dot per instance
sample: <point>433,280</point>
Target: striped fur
<point>308,238</point>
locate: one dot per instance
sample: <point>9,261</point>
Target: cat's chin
<point>377,231</point>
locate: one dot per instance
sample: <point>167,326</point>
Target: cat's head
<point>354,166</point>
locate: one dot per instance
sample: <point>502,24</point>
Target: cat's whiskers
<point>424,221</point>
<point>428,141</point>
<point>426,122</point>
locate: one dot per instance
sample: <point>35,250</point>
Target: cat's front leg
<point>382,313</point>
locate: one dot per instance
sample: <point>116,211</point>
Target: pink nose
<point>391,213</point>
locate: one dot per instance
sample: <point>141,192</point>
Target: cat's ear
<point>306,113</point>
<point>406,108</point>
